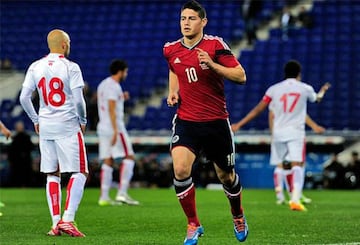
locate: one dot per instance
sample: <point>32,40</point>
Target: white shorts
<point>122,147</point>
<point>68,155</point>
<point>292,151</point>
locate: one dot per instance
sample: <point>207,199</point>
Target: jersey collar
<point>194,45</point>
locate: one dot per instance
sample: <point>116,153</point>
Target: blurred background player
<point>60,124</point>
<point>20,159</point>
<point>282,171</point>
<point>7,133</point>
<point>198,64</point>
<point>289,103</point>
<point>114,141</point>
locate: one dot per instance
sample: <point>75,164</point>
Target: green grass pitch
<point>332,218</point>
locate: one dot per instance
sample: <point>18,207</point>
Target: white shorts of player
<point>292,151</point>
<point>66,154</point>
<point>122,147</point>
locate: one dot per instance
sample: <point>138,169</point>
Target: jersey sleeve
<point>166,53</point>
<point>29,80</point>
<point>267,98</point>
<point>312,96</point>
<point>76,78</point>
<point>223,54</point>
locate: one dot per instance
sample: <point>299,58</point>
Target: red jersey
<point>201,90</point>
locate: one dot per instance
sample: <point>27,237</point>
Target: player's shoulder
<point>209,37</point>
<point>71,64</point>
<point>171,47</point>
<point>107,84</point>
<point>215,39</point>
<point>35,63</point>
<point>172,43</point>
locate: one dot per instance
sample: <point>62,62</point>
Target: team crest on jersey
<point>175,139</point>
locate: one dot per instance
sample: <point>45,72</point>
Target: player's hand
<point>6,132</point>
<point>204,57</point>
<point>325,87</point>
<point>114,138</point>
<point>126,95</point>
<point>83,128</point>
<point>37,128</point>
<point>172,99</point>
<point>318,129</point>
<point>235,127</point>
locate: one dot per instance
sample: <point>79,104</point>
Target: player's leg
<point>220,148</point>
<point>278,177</point>
<point>288,177</point>
<point>73,159</point>
<point>183,159</point>
<point>184,146</point>
<point>278,152</point>
<point>106,172</point>
<point>303,198</point>
<point>126,170</point>
<point>296,156</point>
<point>49,165</point>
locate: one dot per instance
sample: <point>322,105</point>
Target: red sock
<point>187,200</point>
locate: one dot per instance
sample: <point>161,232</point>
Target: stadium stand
<point>103,30</point>
<point>137,30</point>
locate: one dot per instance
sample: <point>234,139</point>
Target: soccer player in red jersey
<point>198,64</point>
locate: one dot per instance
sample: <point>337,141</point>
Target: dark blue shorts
<point>213,140</point>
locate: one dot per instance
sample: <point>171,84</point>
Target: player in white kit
<point>60,123</point>
<point>282,171</point>
<point>114,141</point>
<point>289,103</point>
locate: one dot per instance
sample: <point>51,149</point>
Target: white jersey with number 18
<point>54,77</point>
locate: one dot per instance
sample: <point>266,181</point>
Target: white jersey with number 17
<point>54,77</point>
<point>289,104</point>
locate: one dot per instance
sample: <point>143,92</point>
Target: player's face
<point>191,24</point>
<point>124,75</point>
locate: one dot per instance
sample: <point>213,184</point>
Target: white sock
<point>75,190</point>
<point>53,196</point>
<point>297,186</point>
<point>126,172</point>
<point>278,183</point>
<point>303,179</point>
<point>106,177</point>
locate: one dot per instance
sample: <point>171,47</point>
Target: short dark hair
<point>292,69</point>
<point>117,65</point>
<point>197,7</point>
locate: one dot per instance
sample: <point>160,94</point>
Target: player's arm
<point>260,107</point>
<point>322,91</point>
<point>4,130</point>
<point>235,74</point>
<point>313,125</point>
<point>271,120</point>
<point>173,95</point>
<point>112,114</point>
<point>26,103</point>
<point>80,106</point>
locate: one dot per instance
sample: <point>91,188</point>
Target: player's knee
<point>182,171</point>
<point>226,178</point>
